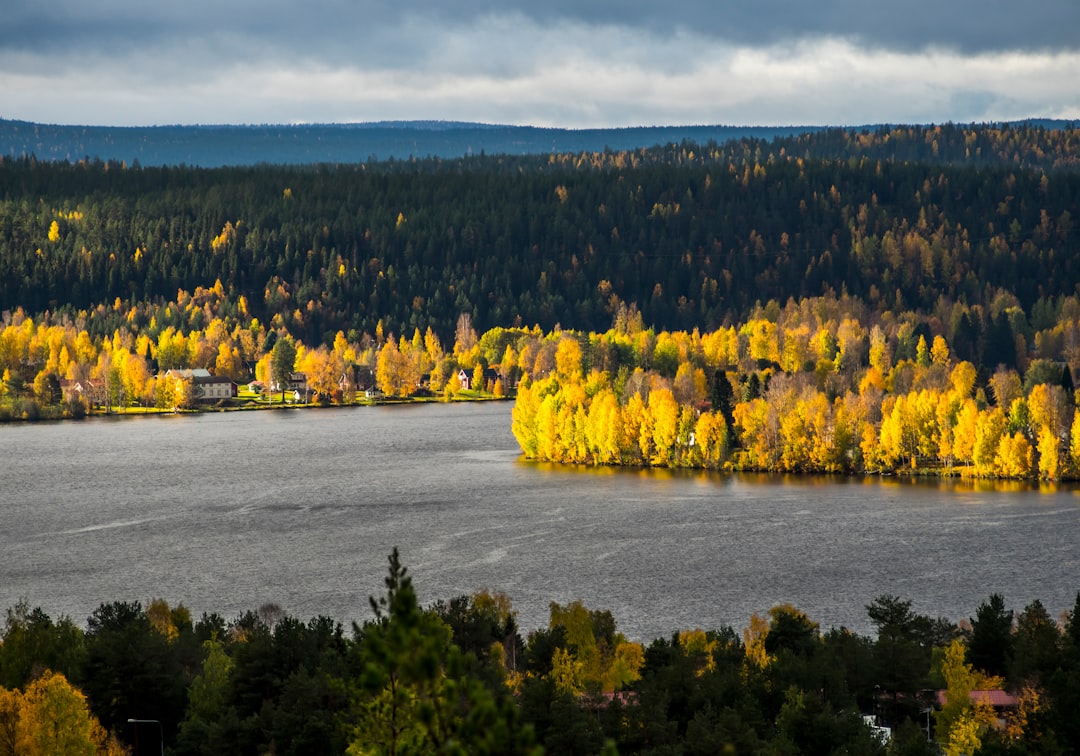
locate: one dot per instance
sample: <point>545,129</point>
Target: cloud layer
<point>559,63</point>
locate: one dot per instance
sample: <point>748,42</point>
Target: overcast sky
<point>568,63</point>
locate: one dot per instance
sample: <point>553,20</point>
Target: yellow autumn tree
<point>897,435</point>
<point>228,362</point>
<point>390,370</point>
<point>697,644</point>
<point>1074,441</point>
<point>547,427</point>
<point>1014,457</point>
<point>1049,449</point>
<point>523,419</point>
<point>939,352</point>
<point>711,438</point>
<point>961,722</point>
<point>452,387</point>
<point>664,411</point>
<point>163,618</point>
<point>794,441</point>
<point>721,348</point>
<point>796,350</point>
<point>183,394</point>
<point>850,344</point>
<point>754,641</point>
<point>1006,387</point>
<point>625,668</point>
<point>568,359</point>
<point>988,432</point>
<point>53,718</point>
<point>263,371</point>
<point>577,622</point>
<point>633,417</point>
<point>965,432</point>
<point>135,375</point>
<point>477,380</point>
<point>880,355</point>
<point>602,427</point>
<point>827,436</point>
<point>758,427</point>
<point>10,710</point>
<point>762,341</point>
<point>323,369</point>
<point>571,421</point>
<point>962,379</point>
<point>567,672</point>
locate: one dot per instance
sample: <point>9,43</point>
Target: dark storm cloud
<point>556,62</point>
<point>964,25</point>
<point>351,31</point>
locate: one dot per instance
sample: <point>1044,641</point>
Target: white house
<point>208,388</point>
<point>214,388</point>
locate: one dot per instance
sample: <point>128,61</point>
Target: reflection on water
<point>977,485</point>
<point>225,512</point>
<point>643,473</point>
<point>953,483</point>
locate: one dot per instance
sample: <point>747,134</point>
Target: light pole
<point>161,730</point>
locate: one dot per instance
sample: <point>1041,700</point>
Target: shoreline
<point>245,405</point>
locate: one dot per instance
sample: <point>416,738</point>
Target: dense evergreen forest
<point>692,235</point>
<point>459,677</point>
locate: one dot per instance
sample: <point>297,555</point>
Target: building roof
<point>999,699</point>
<point>205,379</point>
<point>188,373</point>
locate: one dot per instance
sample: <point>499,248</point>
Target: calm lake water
<point>226,512</point>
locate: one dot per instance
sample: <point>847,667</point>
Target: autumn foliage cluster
<point>816,386</point>
<point>130,368</point>
<point>825,384</point>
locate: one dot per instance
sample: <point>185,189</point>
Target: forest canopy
<point>693,235</point>
<point>460,676</point>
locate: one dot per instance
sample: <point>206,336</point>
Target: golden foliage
<point>754,641</point>
<point>51,717</point>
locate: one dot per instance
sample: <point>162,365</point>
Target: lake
<point>225,512</point>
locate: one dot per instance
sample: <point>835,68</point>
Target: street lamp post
<point>161,729</point>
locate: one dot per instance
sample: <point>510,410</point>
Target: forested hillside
<point>220,145</point>
<point>693,235</point>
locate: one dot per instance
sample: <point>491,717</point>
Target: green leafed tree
<point>207,699</point>
<point>282,360</point>
<point>416,693</point>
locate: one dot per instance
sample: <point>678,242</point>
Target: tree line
<point>824,384</point>
<point>459,676</point>
<point>811,387</point>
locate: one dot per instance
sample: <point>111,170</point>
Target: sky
<point>561,63</point>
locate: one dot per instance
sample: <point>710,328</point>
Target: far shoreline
<point>49,415</point>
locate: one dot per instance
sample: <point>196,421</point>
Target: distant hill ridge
<point>219,145</point>
<point>303,144</point>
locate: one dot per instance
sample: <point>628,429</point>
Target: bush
<point>75,408</point>
<point>27,409</point>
